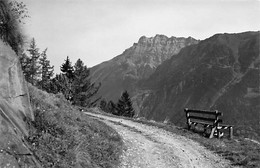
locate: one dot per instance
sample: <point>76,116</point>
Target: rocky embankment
<point>14,109</point>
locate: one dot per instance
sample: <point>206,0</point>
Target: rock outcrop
<point>136,63</point>
<point>14,109</point>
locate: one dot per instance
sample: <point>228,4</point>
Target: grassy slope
<point>240,151</point>
<point>62,136</point>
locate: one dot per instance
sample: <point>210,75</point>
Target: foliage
<point>60,84</point>
<point>103,105</point>
<point>82,88</point>
<point>36,67</point>
<point>124,105</point>
<point>12,14</point>
<point>111,106</point>
<point>75,83</point>
<point>30,63</point>
<point>33,64</point>
<point>24,60</point>
<point>122,108</point>
<point>62,136</point>
<point>64,80</point>
<point>67,68</point>
<point>46,72</point>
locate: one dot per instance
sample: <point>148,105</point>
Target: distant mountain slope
<point>135,63</point>
<point>221,72</point>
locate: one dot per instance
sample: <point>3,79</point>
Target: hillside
<point>135,63</point>
<point>62,136</point>
<point>221,72</point>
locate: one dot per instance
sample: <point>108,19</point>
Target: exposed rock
<point>14,108</point>
<point>135,63</point>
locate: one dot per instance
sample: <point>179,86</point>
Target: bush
<point>11,15</point>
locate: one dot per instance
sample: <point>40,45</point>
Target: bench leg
<point>212,132</point>
<point>231,132</point>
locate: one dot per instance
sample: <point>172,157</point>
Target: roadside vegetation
<point>123,107</point>
<point>62,136</point>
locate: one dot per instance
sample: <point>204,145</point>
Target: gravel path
<point>151,147</point>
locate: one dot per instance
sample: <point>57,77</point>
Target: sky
<point>98,30</point>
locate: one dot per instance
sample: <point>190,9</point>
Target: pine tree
<point>67,68</point>
<point>33,63</point>
<point>111,107</point>
<point>67,78</point>
<point>46,71</point>
<point>103,105</point>
<point>124,105</point>
<point>24,61</point>
<point>82,88</point>
<point>61,84</point>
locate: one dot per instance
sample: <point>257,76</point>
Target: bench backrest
<point>211,117</point>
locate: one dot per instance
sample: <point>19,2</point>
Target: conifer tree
<point>124,105</point>
<point>67,68</point>
<point>59,84</point>
<point>63,86</point>
<point>46,71</point>
<point>111,107</point>
<point>66,78</point>
<point>104,105</point>
<point>82,88</point>
<point>33,63</point>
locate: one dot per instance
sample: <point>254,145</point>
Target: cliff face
<point>14,108</point>
<point>221,72</point>
<point>135,63</point>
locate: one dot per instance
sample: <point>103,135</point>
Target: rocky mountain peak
<point>163,44</point>
<point>136,63</point>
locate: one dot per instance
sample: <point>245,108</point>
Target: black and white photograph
<point>129,83</point>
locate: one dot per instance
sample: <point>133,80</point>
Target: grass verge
<point>62,136</point>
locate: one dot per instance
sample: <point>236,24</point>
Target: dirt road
<point>151,147</point>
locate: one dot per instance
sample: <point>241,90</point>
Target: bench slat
<point>204,118</point>
<point>203,112</point>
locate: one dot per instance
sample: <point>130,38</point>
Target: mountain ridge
<point>137,62</point>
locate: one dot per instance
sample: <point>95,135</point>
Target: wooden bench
<point>210,120</point>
